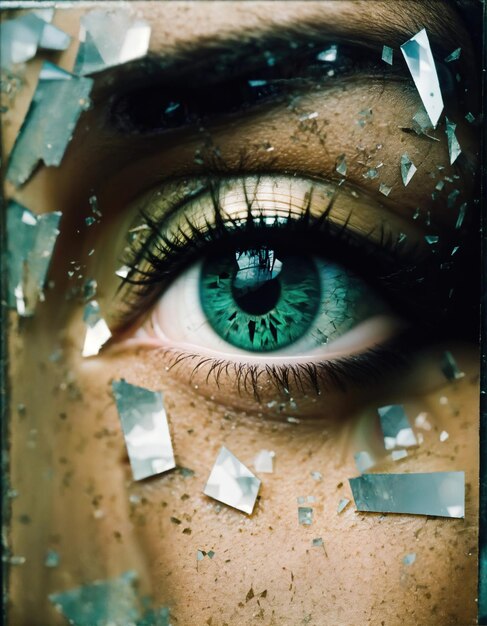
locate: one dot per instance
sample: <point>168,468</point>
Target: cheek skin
<point>270,550</point>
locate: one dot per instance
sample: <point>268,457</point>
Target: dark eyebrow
<point>212,57</point>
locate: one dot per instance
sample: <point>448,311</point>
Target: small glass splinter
<point>408,169</point>
<point>421,64</point>
<point>305,515</point>
<point>128,40</point>
<point>30,243</point>
<point>363,461</point>
<point>44,136</point>
<point>145,428</point>
<point>450,368</point>
<point>396,428</point>
<point>454,149</point>
<point>264,462</point>
<point>97,331</point>
<point>436,493</point>
<point>232,483</point>
<point>387,54</point>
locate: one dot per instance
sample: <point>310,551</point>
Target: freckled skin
<point>68,459</point>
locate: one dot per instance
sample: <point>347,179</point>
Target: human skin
<point>68,459</point>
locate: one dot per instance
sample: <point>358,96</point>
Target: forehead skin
<point>79,467</point>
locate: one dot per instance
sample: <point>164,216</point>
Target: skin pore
<point>68,458</point>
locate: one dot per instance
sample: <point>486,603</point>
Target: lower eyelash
<point>340,374</point>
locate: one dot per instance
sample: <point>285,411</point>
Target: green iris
<point>259,302</point>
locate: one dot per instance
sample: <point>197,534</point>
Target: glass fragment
<point>396,428</point>
<point>363,461</point>
<point>30,243</point>
<point>264,462</point>
<point>444,436</point>
<point>52,559</point>
<point>387,54</point>
<point>232,483</point>
<point>341,165</point>
<point>450,368</point>
<point>56,106</point>
<point>100,603</point>
<point>155,617</point>
<point>97,331</point>
<point>342,505</point>
<point>453,56</point>
<point>384,189</point>
<point>145,428</point>
<point>317,476</point>
<point>419,59</point>
<point>454,149</point>
<point>409,558</point>
<point>432,239</point>
<point>305,515</point>
<point>329,55</point>
<point>318,542</point>
<point>408,169</point>
<point>435,493</point>
<point>470,117</point>
<point>129,40</point>
<point>397,455</point>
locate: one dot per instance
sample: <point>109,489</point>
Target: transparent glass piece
<point>341,165</point>
<point>100,603</point>
<point>52,559</point>
<point>421,64</point>
<point>318,542</point>
<point>53,38</point>
<point>58,101</point>
<point>317,476</point>
<point>363,461</point>
<point>409,558</point>
<point>128,40</point>
<point>30,243</point>
<point>435,493</point>
<point>305,515</point>
<point>145,428</point>
<point>454,149</point>
<point>396,428</point>
<point>408,169</point>
<point>450,368</point>
<point>384,189</point>
<point>232,483</point>
<point>387,54</point>
<point>444,436</point>
<point>342,505</point>
<point>19,39</point>
<point>97,331</point>
<point>158,617</point>
<point>470,117</point>
<point>432,239</point>
<point>329,55</point>
<point>454,56</point>
<point>397,455</point>
<point>264,462</point>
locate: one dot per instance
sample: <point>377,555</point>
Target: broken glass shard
<point>97,331</point>
<point>387,54</point>
<point>155,617</point>
<point>342,504</point>
<point>232,483</point>
<point>341,165</point>
<point>450,368</point>
<point>444,436</point>
<point>435,493</point>
<point>100,603</point>
<point>305,515</point>
<point>52,559</point>
<point>58,101</point>
<point>454,149</point>
<point>470,118</point>
<point>409,558</point>
<point>396,428</point>
<point>384,189</point>
<point>432,239</point>
<point>397,455</point>
<point>316,475</point>
<point>30,243</point>
<point>53,38</point>
<point>363,461</point>
<point>264,462</point>
<point>408,169</point>
<point>421,64</point>
<point>317,543</point>
<point>329,54</point>
<point>129,40</point>
<point>145,428</point>
<point>454,56</point>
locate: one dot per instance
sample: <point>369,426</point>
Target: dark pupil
<point>255,284</point>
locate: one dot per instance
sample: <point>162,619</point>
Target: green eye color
<point>259,300</point>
